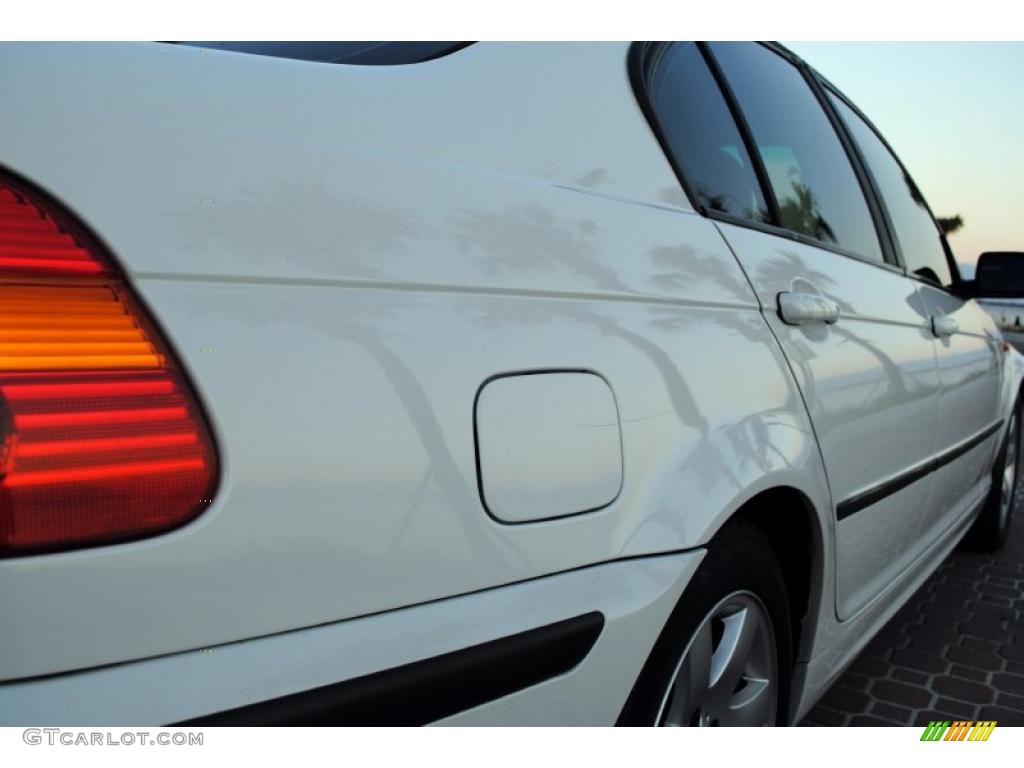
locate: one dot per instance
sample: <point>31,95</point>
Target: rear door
<point>762,157</point>
<point>967,344</point>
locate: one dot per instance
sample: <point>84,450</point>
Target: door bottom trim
<point>871,496</point>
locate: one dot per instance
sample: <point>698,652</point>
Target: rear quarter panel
<point>341,257</point>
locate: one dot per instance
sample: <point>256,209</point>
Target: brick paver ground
<point>954,652</point>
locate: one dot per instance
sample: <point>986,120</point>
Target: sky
<point>954,113</point>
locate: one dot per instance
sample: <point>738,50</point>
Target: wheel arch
<point>789,521</point>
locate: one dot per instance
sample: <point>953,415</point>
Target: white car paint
<point>558,428</point>
<point>871,391</point>
<point>635,598</point>
<point>379,243</point>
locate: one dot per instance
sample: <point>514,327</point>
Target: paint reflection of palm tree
<point>676,269</point>
<point>461,498</point>
<point>780,272</point>
<point>683,268</point>
<point>800,213</point>
<point>531,238</point>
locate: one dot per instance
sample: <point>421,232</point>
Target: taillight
<point>100,437</point>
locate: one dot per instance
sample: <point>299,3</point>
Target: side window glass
<point>916,232</point>
<point>700,132</point>
<point>818,192</point>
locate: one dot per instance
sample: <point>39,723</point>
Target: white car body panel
<point>871,371</point>
<point>409,310</point>
<point>971,372</point>
<point>635,597</point>
<point>837,643</point>
<point>341,258</point>
<point>548,445</point>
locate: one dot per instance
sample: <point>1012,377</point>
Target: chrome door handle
<point>798,308</point>
<point>944,326</point>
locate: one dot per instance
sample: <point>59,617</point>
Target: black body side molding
<point>425,691</point>
<point>871,496</point>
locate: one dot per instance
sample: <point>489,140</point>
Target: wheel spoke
<point>732,654</point>
<point>754,705</point>
<point>692,680</point>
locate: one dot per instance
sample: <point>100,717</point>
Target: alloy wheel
<point>728,673</point>
<point>1009,477</point>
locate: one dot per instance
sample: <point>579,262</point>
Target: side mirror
<point>999,275</point>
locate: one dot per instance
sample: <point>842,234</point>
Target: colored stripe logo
<point>960,730</point>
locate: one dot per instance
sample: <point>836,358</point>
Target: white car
<point>502,383</point>
<point>1007,315</point>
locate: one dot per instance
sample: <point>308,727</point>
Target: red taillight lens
<point>100,437</point>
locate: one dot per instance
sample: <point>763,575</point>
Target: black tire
<point>992,527</point>
<point>739,559</point>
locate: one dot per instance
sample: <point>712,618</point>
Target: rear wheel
<point>993,524</point>
<point>724,656</point>
<point>728,674</point>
